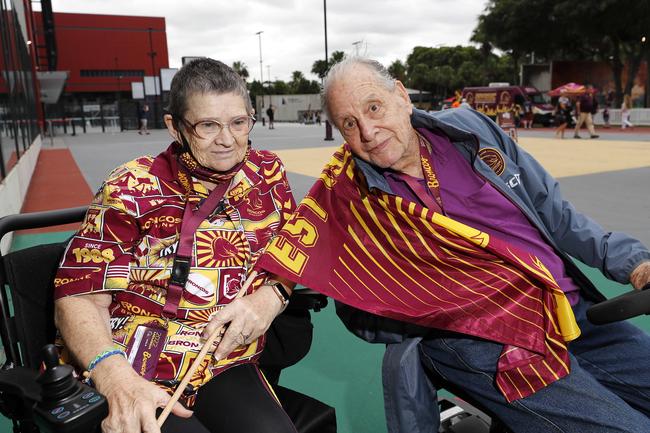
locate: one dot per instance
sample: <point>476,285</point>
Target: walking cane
<point>199,359</point>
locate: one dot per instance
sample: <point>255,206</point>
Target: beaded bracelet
<point>102,356</point>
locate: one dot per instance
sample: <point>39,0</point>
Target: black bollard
<point>101,117</point>
<point>328,131</point>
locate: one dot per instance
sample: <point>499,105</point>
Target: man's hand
<point>640,276</point>
<point>249,318</point>
<point>132,400</point>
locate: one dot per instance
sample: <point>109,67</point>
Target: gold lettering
<point>304,230</point>
<point>145,357</point>
<point>154,340</point>
<point>134,309</point>
<point>288,255</point>
<point>432,180</point>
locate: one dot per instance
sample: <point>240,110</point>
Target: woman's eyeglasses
<point>209,128</point>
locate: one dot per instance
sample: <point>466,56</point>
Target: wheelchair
<point>28,275</point>
<point>460,414</point>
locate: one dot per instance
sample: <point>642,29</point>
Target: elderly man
<point>487,182</point>
<point>458,166</point>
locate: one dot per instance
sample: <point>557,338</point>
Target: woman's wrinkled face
<point>222,150</point>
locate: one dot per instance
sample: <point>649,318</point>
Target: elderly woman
<point>164,249</point>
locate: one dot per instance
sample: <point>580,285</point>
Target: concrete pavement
<point>607,178</point>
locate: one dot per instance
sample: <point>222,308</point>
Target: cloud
<point>293,30</point>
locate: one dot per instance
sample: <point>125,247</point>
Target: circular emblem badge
<point>493,158</point>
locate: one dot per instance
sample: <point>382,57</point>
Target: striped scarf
<point>394,258</point>
<point>189,163</point>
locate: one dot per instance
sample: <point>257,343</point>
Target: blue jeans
<point>608,389</point>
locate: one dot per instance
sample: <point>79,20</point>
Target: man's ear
<point>404,95</point>
<point>169,123</point>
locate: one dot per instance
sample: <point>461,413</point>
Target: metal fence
<point>638,117</point>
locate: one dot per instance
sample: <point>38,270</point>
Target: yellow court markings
<point>562,158</point>
<point>571,157</point>
<point>308,161</point>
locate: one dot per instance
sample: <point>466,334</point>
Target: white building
<point>290,108</point>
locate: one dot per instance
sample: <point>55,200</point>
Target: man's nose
<point>367,130</point>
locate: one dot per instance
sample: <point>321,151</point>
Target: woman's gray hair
<point>202,76</point>
<point>346,65</point>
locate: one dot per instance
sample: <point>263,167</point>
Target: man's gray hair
<point>340,69</point>
<point>202,76</point>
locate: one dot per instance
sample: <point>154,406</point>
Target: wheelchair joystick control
<point>57,382</point>
<point>67,405</point>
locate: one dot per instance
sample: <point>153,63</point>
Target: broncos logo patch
<point>493,158</point>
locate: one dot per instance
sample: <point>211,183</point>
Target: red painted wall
<point>106,42</point>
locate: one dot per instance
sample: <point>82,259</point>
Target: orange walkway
<point>57,183</point>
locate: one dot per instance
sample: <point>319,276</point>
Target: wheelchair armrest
<point>307,299</point>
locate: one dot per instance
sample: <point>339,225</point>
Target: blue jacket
<point>407,394</point>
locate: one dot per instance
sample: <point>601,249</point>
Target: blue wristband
<point>102,356</point>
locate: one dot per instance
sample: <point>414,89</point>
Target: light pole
<point>356,47</point>
<point>328,125</point>
<point>644,40</point>
<point>259,34</point>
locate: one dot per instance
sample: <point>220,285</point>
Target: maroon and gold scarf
<point>189,163</point>
<point>395,258</point>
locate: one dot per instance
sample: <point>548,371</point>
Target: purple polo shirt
<point>470,199</point>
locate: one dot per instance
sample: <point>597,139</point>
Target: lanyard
<point>183,258</point>
<point>433,185</point>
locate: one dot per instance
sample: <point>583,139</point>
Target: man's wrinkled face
<point>374,120</point>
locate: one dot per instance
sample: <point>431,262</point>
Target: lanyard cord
<point>433,185</point>
<point>190,223</point>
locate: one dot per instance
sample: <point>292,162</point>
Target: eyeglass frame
<point>192,127</point>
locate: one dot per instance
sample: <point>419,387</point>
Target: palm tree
<point>241,69</point>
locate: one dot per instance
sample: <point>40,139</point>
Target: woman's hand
<point>132,400</point>
<point>249,318</point>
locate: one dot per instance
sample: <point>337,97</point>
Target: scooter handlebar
<point>625,306</point>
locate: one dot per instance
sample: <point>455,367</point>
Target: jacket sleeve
<point>614,253</point>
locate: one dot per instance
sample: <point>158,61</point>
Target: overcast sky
<point>293,30</point>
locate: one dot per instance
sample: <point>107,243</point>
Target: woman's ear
<point>169,123</point>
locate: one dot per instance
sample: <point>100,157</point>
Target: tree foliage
<point>443,70</point>
<point>321,67</point>
<point>398,70</point>
<point>301,85</point>
<point>241,69</point>
<point>608,30</point>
